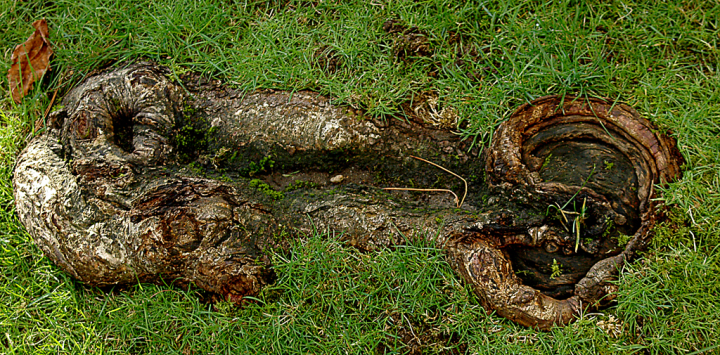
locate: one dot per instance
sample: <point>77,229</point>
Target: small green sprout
<point>546,162</point>
<point>556,269</point>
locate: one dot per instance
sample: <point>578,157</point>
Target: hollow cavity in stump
<point>138,178</point>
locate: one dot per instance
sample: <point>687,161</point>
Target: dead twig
<point>458,202</point>
<point>446,170</point>
<point>52,101</point>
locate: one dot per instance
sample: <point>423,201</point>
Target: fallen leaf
<point>30,61</point>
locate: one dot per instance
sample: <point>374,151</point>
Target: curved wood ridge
<point>617,160</point>
<point>138,178</point>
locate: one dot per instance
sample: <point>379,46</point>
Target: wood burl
<point>139,178</point>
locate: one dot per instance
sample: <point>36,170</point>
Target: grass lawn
<point>479,59</point>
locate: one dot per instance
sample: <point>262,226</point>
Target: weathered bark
<point>139,178</point>
<point>615,155</point>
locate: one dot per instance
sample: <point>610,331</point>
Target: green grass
<point>486,59</point>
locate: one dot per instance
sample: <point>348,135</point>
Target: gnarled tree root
<point>138,178</point>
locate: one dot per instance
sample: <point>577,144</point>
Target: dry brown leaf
<point>30,61</point>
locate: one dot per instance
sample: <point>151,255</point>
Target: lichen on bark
<point>138,178</point>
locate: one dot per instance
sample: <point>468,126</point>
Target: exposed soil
<point>408,42</point>
<point>327,59</point>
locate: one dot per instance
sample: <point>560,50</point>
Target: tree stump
<point>142,179</point>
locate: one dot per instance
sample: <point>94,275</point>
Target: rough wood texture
<point>138,178</point>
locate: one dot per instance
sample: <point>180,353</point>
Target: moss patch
<point>266,189</point>
<point>300,184</point>
<point>192,134</point>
